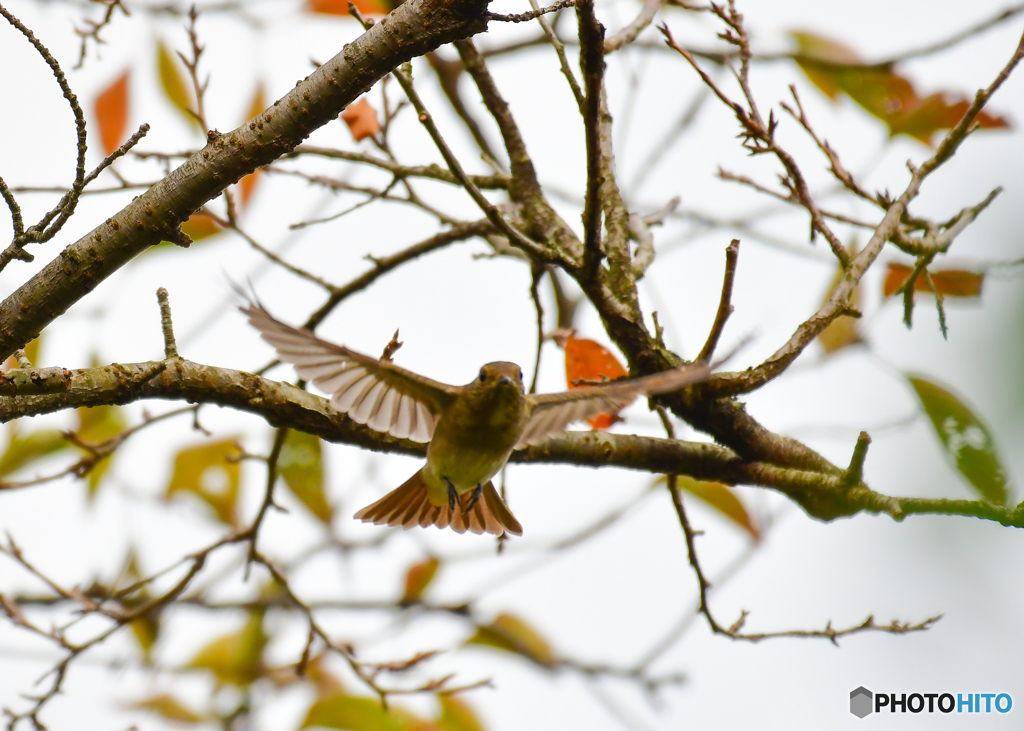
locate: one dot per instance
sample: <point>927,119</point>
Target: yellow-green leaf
<point>146,627</point>
<point>965,439</point>
<point>173,81</point>
<point>169,708</point>
<point>235,658</point>
<point>31,352</point>
<point>97,424</point>
<point>209,471</point>
<point>146,630</point>
<point>510,633</point>
<point>23,450</point>
<point>722,499</point>
<point>457,715</point>
<point>301,466</point>
<point>844,330</point>
<point>417,579</point>
<point>356,713</point>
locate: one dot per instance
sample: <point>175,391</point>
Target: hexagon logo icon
<point>860,702</point>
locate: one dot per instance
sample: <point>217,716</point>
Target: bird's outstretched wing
<point>377,393</point>
<point>551,413</point>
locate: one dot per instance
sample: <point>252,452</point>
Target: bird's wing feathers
<point>377,393</point>
<point>551,413</point>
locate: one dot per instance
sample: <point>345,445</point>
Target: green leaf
<point>355,713</point>
<point>417,579</point>
<point>210,471</point>
<point>23,450</point>
<point>510,633</point>
<point>301,466</point>
<point>235,658</point>
<point>457,715</point>
<point>966,440</point>
<point>169,708</point>
<point>722,499</point>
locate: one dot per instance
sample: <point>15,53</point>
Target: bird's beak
<point>506,380</point>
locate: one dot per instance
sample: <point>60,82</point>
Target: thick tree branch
<point>414,28</point>
<point>825,496</point>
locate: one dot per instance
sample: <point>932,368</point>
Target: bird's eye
<point>520,374</point>
<point>483,376</point>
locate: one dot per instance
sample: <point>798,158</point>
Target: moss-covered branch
<point>823,495</point>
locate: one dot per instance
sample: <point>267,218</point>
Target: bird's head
<point>500,375</point>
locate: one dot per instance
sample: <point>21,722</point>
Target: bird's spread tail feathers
<point>408,506</point>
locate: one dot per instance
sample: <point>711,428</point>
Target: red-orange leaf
<point>247,185</point>
<point>948,282</point>
<point>200,226</point>
<point>340,7</point>
<point>587,360</point>
<point>361,119</point>
<point>111,111</point>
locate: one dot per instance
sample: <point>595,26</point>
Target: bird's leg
<point>453,496</point>
<point>477,492</point>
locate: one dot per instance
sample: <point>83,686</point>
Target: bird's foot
<point>453,496</point>
<point>473,499</point>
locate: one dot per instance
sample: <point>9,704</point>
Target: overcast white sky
<point>611,599</point>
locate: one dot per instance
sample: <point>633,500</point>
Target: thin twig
<point>725,308</point>
<point>592,62</point>
<point>533,14</point>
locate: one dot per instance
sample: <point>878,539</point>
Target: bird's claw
<point>453,496</point>
<point>473,499</point>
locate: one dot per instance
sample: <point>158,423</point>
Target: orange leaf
<point>247,185</point>
<point>200,226</point>
<point>340,7</point>
<point>924,117</point>
<point>948,282</point>
<point>587,360</point>
<point>361,119</point>
<point>111,111</point>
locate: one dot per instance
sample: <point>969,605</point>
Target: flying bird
<point>470,431</point>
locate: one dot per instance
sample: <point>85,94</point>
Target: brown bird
<point>472,430</point>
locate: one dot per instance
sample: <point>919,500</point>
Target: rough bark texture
<point>414,28</point>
